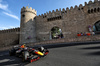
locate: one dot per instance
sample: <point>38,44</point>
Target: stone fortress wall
<point>27,26</point>
<point>9,37</point>
<point>71,21</point>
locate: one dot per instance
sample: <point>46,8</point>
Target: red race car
<point>29,54</point>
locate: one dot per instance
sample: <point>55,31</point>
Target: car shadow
<point>5,59</point>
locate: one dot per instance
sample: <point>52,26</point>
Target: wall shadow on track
<point>94,53</point>
<point>58,45</point>
<point>96,47</point>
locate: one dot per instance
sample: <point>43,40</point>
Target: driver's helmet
<point>23,46</point>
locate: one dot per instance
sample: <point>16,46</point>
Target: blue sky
<point>10,9</point>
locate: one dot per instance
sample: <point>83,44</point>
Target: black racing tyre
<point>11,52</point>
<point>25,54</point>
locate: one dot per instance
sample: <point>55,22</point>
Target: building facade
<point>60,23</point>
<point>68,22</point>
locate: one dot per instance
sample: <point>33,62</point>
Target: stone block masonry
<point>73,20</point>
<point>9,37</point>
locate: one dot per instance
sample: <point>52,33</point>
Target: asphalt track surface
<point>79,55</point>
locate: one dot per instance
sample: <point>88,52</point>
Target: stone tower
<point>27,25</point>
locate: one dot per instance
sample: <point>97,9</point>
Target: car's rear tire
<point>25,54</point>
<point>11,52</point>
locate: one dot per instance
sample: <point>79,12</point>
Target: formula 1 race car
<point>28,54</point>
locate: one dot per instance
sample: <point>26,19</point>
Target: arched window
<point>98,9</point>
<point>23,15</point>
<point>56,33</point>
<point>91,10</point>
<point>95,10</point>
<point>96,26</point>
<point>50,19</point>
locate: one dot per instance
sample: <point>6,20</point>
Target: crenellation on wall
<point>30,8</point>
<point>80,6</point>
<point>42,15</point>
<point>96,0</point>
<point>85,3</point>
<point>76,7</point>
<point>53,11</point>
<point>57,10</point>
<point>49,12</point>
<point>67,9</point>
<point>10,30</point>
<point>22,8</point>
<point>71,8</point>
<point>27,9</point>
<point>63,10</point>
<point>93,10</point>
<point>90,2</point>
<point>94,3</point>
<point>52,14</point>
<point>45,14</point>
<point>91,7</point>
